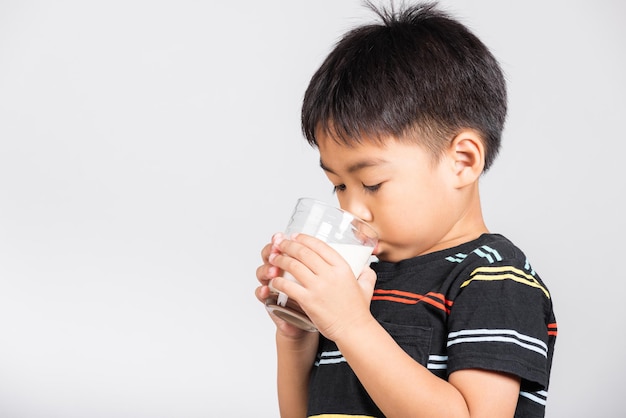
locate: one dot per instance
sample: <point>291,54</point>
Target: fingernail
<point>277,238</point>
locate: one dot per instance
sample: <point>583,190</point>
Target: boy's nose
<point>357,208</point>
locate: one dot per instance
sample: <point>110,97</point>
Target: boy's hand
<point>328,291</point>
<point>265,274</point>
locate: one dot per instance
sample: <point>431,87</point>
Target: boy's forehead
<point>353,166</point>
<point>336,156</point>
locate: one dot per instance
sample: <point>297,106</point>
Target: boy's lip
<point>376,249</point>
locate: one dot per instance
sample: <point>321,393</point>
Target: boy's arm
<point>399,385</point>
<point>295,348</point>
<point>404,388</point>
<point>487,393</point>
<point>295,361</point>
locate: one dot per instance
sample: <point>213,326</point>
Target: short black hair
<point>417,73</point>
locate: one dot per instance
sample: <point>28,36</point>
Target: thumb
<point>367,280</point>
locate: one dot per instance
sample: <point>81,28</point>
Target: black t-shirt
<point>476,306</point>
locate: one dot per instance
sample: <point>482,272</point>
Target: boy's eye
<point>372,188</point>
<point>342,187</point>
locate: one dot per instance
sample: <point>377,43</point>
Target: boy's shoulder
<point>490,252</point>
<point>489,247</point>
<point>494,258</point>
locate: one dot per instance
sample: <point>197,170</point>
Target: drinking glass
<point>350,236</point>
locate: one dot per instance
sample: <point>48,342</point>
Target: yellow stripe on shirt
<point>505,273</point>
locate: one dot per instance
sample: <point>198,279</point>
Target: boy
<point>452,321</point>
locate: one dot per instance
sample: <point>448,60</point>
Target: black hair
<point>418,74</point>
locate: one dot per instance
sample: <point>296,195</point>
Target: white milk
<point>356,256</point>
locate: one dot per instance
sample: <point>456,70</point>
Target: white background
<point>148,150</point>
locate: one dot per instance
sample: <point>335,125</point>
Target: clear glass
<point>350,236</point>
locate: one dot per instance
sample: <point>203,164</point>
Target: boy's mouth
<point>376,249</point>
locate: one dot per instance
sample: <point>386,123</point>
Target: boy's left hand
<point>328,291</point>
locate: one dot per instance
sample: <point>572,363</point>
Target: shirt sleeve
<point>500,321</point>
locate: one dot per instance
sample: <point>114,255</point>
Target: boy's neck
<point>469,226</point>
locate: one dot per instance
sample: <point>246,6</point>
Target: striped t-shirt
<point>479,305</point>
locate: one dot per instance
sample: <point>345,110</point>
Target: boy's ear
<point>467,154</point>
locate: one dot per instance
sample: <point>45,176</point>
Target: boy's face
<point>413,202</point>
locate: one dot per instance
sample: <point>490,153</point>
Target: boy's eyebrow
<point>356,166</point>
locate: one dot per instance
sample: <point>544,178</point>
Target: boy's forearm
<point>295,360</point>
<point>403,387</point>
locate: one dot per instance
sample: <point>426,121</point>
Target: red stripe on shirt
<point>435,299</point>
<point>552,329</point>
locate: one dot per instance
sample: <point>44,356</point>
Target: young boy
<point>452,321</point>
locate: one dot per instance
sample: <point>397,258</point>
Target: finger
<point>301,257</point>
<point>289,287</point>
<point>266,272</point>
<point>272,247</point>
<point>277,238</point>
<point>367,280</point>
<point>329,254</point>
<point>262,293</point>
<point>266,251</point>
<point>302,264</point>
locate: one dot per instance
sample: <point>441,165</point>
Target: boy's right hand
<point>265,273</point>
